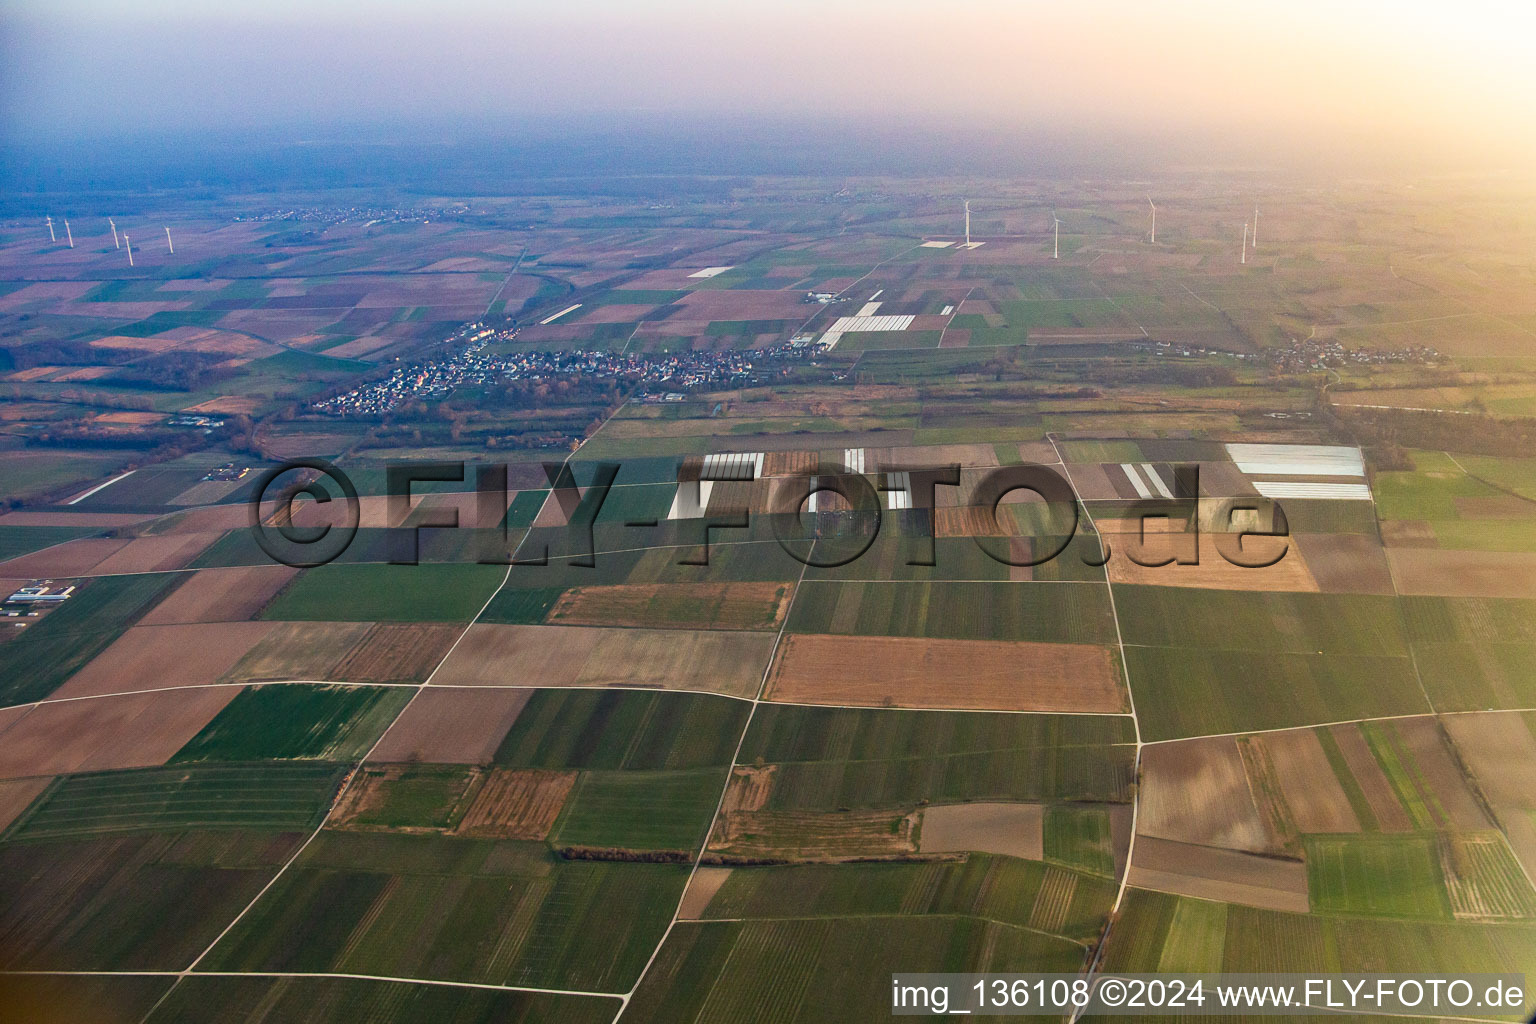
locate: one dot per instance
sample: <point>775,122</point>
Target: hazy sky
<point>1451,75</point>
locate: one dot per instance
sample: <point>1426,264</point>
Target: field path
<point>192,967</point>
<point>1130,694</point>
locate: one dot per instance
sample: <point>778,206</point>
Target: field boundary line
<point>1130,696</point>
<point>894,917</point>
<point>331,810</point>
<point>435,982</point>
<point>504,282</point>
<point>730,773</point>
<point>954,313</point>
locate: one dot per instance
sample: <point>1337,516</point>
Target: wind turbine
<point>967,223</point>
<point>1056,250</point>
<point>168,244</point>
<point>69,234</point>
<point>1245,242</point>
<point>130,248</point>
<point>1154,219</point>
<point>51,236</point>
<point>1255,227</point>
<point>115,243</point>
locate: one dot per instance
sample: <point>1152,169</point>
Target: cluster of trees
<point>174,371</point>
<point>1473,433</point>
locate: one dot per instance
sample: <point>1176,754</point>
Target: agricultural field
<point>831,758</point>
<point>1062,613</point>
<point>720,661</point>
<point>179,887</point>
<point>613,730</point>
<point>390,593</point>
<point>297,721</point>
<point>968,674</point>
<point>278,797</point>
<point>337,1000</point>
<point>474,910</point>
<point>34,664</point>
<point>662,769</point>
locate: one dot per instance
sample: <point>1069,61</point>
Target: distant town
<point>655,376</point>
<point>365,215</point>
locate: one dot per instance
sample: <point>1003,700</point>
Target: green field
<point>1517,475</point>
<point>495,912</point>
<point>640,810</point>
<point>146,901</point>
<point>46,472</point>
<point>387,593</point>
<point>1429,491</point>
<point>279,797</point>
<point>299,721</point>
<point>1189,617</point>
<point>1068,613</point>
<point>1473,619</point>
<point>993,888</point>
<point>522,605</point>
<point>38,661</point>
<point>1184,692</point>
<point>610,729</point>
<point>764,972</point>
<point>831,758</point>
<point>414,796</point>
<point>19,540</point>
<point>1079,837</point>
<point>906,537</point>
<point>1272,941</point>
<point>1378,876</point>
<point>1478,676</point>
<point>42,997</point>
<point>346,1000</point>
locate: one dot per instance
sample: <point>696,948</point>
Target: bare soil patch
<point>970,521</point>
<point>74,558</point>
<point>1314,798</point>
<point>221,595</point>
<point>701,889</point>
<point>298,651</point>
<point>742,304</point>
<point>967,456</point>
<point>43,517</point>
<point>516,804</point>
<point>915,672</point>
<point>1165,539</point>
<point>1346,563</point>
<point>1016,830</point>
<point>1409,533</point>
<point>452,726</point>
<point>1504,506</point>
<point>508,655</point>
<point>1451,800</point>
<point>16,795</point>
<point>1092,482</point>
<point>1197,791</point>
<point>730,606</point>
<point>107,733</point>
<point>1389,812</point>
<point>205,492</point>
<point>1269,883</point>
<point>1451,573</point>
<point>159,657</point>
<point>813,836</point>
<point>155,554</point>
<point>392,652</point>
<point>790,463</point>
<point>1500,754</point>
